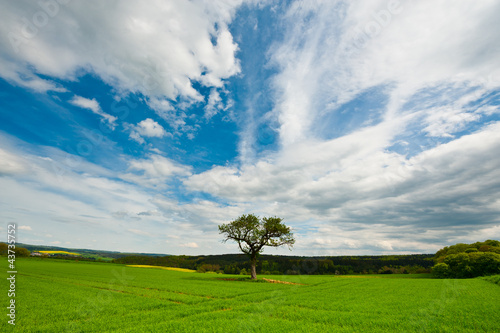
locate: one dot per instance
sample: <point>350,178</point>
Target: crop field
<point>60,252</point>
<point>167,268</point>
<point>68,296</point>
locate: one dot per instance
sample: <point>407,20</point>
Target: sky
<point>370,127</point>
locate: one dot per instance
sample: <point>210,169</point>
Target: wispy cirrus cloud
<point>323,65</point>
<point>93,105</point>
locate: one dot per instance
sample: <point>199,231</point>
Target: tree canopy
<point>252,234</point>
<point>468,260</point>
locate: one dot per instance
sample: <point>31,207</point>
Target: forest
<point>455,261</point>
<point>468,260</point>
<point>292,265</point>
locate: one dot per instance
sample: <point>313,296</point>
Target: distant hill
<point>87,253</point>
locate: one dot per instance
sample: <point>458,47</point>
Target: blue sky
<point>370,127</point>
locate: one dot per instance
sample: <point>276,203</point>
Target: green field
<point>68,296</point>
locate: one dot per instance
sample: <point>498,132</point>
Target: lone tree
<point>252,234</point>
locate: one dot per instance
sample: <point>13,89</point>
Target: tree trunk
<point>253,262</point>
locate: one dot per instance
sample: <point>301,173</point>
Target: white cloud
<point>206,213</point>
<point>215,104</point>
<point>154,171</point>
<point>148,128</point>
<point>25,227</point>
<point>11,164</point>
<point>93,105</point>
<point>66,201</point>
<point>14,73</point>
<point>136,136</point>
<point>140,232</point>
<point>351,180</point>
<point>386,245</point>
<point>457,114</point>
<point>345,239</point>
<point>324,62</point>
<point>150,213</point>
<point>86,103</point>
<point>176,117</point>
<point>192,245</point>
<point>180,42</point>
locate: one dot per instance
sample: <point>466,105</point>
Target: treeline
<point>19,251</point>
<point>468,260</point>
<point>292,265</point>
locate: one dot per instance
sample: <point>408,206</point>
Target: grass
<point>68,296</point>
<point>493,279</point>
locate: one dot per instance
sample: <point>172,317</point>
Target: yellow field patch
<point>167,268</point>
<point>60,252</point>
